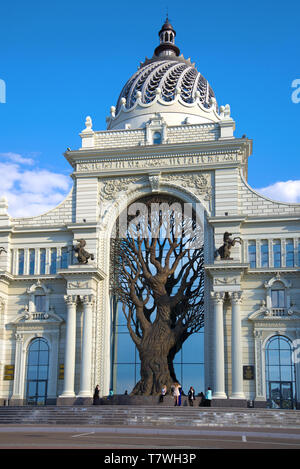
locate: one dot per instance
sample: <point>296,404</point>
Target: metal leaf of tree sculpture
<point>159,280</point>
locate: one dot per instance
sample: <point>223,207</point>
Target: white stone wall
<point>174,134</point>
<point>62,214</point>
<point>252,203</point>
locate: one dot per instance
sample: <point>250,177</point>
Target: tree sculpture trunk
<point>154,351</point>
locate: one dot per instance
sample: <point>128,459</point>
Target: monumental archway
<point>158,277</point>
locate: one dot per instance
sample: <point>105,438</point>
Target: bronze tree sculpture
<point>160,282</point>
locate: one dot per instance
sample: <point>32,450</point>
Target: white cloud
<point>16,158</point>
<point>283,191</point>
<point>33,191</point>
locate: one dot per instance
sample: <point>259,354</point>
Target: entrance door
<point>281,394</point>
<point>37,372</point>
<point>36,392</point>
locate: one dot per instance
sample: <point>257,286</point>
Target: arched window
<point>280,373</point>
<point>278,297</point>
<point>156,138</point>
<point>37,372</point>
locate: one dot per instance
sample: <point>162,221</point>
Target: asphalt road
<point>127,438</point>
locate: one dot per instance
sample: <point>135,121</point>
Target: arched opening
<point>280,373</point>
<point>156,138</point>
<point>37,370</point>
<point>185,358</point>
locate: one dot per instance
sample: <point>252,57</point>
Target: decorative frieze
<point>78,284</point>
<point>110,187</point>
<point>199,183</point>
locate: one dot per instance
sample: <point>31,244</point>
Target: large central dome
<point>167,84</point>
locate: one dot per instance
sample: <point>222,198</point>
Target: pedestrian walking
<point>191,396</point>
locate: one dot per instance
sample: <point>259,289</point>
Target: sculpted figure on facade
<point>82,255</point>
<point>225,249</point>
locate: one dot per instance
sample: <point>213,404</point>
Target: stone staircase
<point>150,416</point>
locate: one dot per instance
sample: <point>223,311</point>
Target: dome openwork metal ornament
<point>167,78</point>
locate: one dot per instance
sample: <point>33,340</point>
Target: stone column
<point>86,355</point>
<point>218,345</point>
<point>236,347</point>
<point>70,347</point>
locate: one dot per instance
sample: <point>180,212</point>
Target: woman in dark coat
<point>96,398</point>
<point>191,396</point>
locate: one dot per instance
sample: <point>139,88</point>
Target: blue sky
<point>64,60</point>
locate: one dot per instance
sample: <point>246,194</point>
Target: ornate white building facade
<point>166,135</point>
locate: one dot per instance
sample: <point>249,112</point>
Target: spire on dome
<point>167,41</point>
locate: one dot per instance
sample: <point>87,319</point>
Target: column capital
<point>87,299</point>
<point>236,297</point>
<point>217,297</point>
<point>19,337</point>
<point>70,299</point>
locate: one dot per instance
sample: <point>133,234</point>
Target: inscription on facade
<point>175,161</point>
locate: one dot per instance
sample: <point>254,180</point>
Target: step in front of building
<point>149,416</point>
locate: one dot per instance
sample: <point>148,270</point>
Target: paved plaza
<point>125,438</point>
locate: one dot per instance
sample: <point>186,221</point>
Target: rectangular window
<point>277,253</point>
<point>40,303</point>
<point>20,261</point>
<point>289,253</point>
<point>252,254</point>
<point>31,261</point>
<point>264,254</point>
<point>53,258</point>
<point>64,258</point>
<point>277,298</point>
<point>42,261</point>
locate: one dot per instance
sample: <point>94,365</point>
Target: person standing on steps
<point>96,398</point>
<point>163,393</point>
<point>191,396</point>
<point>201,399</point>
<point>208,397</point>
<point>175,392</point>
<point>180,393</point>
